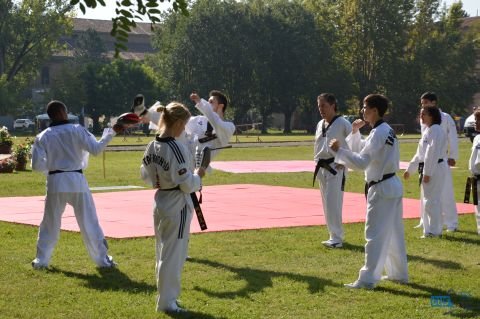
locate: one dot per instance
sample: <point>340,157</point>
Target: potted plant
<point>7,165</point>
<point>6,141</point>
<point>22,154</point>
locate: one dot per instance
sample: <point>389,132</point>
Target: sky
<point>106,13</point>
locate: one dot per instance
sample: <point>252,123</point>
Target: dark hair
<point>221,98</point>
<point>330,98</point>
<point>55,108</point>
<point>431,96</point>
<point>377,101</point>
<point>476,114</point>
<point>434,112</point>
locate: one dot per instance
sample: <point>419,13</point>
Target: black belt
<point>370,184</point>
<point>420,171</point>
<point>176,188</point>
<point>207,138</point>
<point>198,211</point>
<point>471,185</point>
<point>60,171</point>
<point>324,163</point>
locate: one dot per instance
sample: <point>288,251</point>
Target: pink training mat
<point>225,207</point>
<point>270,166</point>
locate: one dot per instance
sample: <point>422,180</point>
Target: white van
<point>22,124</point>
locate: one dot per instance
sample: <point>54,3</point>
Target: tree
<point>437,52</point>
<point>41,22</point>
<point>200,54</point>
<point>130,11</point>
<point>110,88</point>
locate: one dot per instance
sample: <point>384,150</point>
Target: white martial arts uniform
<point>449,207</point>
<point>474,167</point>
<point>331,185</point>
<point>166,166</point>
<point>431,149</point>
<point>197,126</point>
<point>378,155</point>
<point>60,152</point>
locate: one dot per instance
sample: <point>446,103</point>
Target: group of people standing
<point>339,145</point>
<point>171,165</point>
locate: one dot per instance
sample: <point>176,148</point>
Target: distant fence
<point>253,129</point>
<point>398,128</point>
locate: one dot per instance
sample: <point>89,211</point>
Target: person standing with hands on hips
<point>61,152</point>
<point>166,166</point>
<point>379,156</point>
<point>331,174</point>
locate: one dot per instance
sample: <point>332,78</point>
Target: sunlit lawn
<point>271,273</point>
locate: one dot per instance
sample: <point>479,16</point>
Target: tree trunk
<point>264,123</point>
<point>287,128</point>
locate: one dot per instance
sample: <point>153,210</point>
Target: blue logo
<point>441,301</point>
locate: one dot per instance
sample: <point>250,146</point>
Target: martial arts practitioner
<point>61,153</point>
<point>429,162</point>
<point>331,174</point>
<point>378,155</point>
<point>474,167</point>
<point>166,165</point>
<point>449,208</point>
<point>209,129</point>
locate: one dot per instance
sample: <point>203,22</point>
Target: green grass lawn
<point>271,273</point>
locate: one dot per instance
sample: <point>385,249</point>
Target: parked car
<point>469,128</point>
<point>23,124</point>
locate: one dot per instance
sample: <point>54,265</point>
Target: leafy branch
<point>128,11</point>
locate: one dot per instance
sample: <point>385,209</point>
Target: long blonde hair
<point>171,114</point>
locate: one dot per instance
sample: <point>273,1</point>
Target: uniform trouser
<point>385,247</point>
<point>477,210</point>
<point>449,208</point>
<point>171,237</point>
<point>332,201</point>
<point>86,215</point>
<point>431,195</point>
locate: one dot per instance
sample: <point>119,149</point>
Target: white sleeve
<point>182,175</point>
<point>39,157</point>
<point>353,160</point>
<point>223,129</point>
<point>361,159</point>
<point>90,143</point>
<point>154,116</point>
<point>413,164</point>
<point>452,138</point>
<point>145,176</point>
<point>431,153</point>
<point>355,141</point>
<point>474,162</point>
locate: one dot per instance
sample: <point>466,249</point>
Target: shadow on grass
<point>192,314</point>
<point>462,305</point>
<point>444,264</point>
<point>108,279</point>
<point>259,279</point>
<point>462,240</point>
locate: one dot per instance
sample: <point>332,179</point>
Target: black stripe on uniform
<point>183,219</point>
<point>176,150</point>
